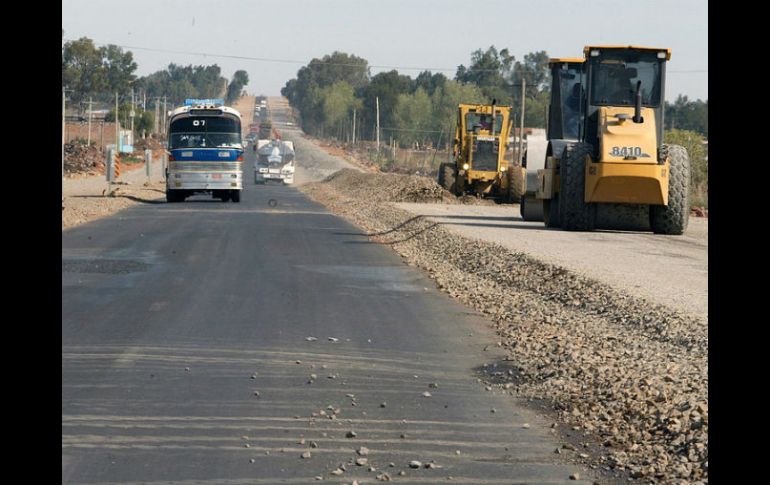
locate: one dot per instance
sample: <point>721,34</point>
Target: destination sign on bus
<point>192,101</point>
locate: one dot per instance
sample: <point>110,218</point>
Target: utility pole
<point>515,145</point>
<point>354,126</point>
<point>165,113</point>
<point>117,126</point>
<point>521,130</point>
<point>63,129</point>
<point>90,102</point>
<point>156,124</point>
<point>131,114</point>
<point>377,100</point>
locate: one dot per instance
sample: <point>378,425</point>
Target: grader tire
<point>673,218</point>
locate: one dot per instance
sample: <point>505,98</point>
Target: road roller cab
<point>565,119</point>
<point>618,156</point>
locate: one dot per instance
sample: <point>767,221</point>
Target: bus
<point>205,151</point>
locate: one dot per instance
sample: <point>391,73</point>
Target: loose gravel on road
<point>629,374</point>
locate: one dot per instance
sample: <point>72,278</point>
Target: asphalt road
<point>174,317</point>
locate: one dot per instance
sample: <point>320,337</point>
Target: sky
<point>279,37</point>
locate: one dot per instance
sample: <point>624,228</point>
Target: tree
<point>144,122</point>
<point>338,102</point>
<point>240,79</point>
<point>491,71</point>
<point>124,111</point>
<point>413,117</point>
<point>178,83</point>
<point>386,86</point>
<point>118,68</point>
<point>445,101</point>
<point>534,109</point>
<point>687,115</point>
<point>303,91</point>
<point>208,81</point>
<point>535,71</point>
<point>82,70</point>
<point>693,142</point>
<point>429,82</point>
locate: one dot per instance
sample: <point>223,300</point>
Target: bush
<point>693,142</point>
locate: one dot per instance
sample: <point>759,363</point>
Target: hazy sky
<point>400,33</point>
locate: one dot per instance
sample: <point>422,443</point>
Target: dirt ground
<point>88,197</point>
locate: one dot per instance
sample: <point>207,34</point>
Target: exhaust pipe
<point>638,105</point>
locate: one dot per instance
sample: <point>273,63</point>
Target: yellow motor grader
<point>480,143</point>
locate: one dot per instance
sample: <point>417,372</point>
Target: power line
<point>412,130</point>
<point>341,64</point>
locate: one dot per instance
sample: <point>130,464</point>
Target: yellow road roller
<point>618,157</point>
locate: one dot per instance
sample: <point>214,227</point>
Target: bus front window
<point>205,132</point>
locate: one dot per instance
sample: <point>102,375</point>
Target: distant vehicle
<point>265,130</point>
<point>205,151</point>
<point>275,161</point>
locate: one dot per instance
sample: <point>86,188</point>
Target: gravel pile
<point>392,187</point>
<point>82,159</point>
<point>630,374</point>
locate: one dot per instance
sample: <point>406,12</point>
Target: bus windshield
<point>205,132</point>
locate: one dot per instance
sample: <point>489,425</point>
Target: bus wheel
<point>236,195</point>
<point>224,195</point>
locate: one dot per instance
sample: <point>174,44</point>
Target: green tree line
<point>416,110</point>
<point>684,114</point>
<point>328,90</point>
<point>100,72</point>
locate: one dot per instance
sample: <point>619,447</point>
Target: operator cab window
<point>615,76</point>
<point>482,122</point>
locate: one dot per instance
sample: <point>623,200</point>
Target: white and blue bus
<point>205,152</point>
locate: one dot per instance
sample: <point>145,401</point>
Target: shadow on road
<point>119,196</point>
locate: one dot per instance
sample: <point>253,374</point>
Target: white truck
<point>274,161</point>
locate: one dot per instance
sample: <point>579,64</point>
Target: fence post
<point>148,164</point>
